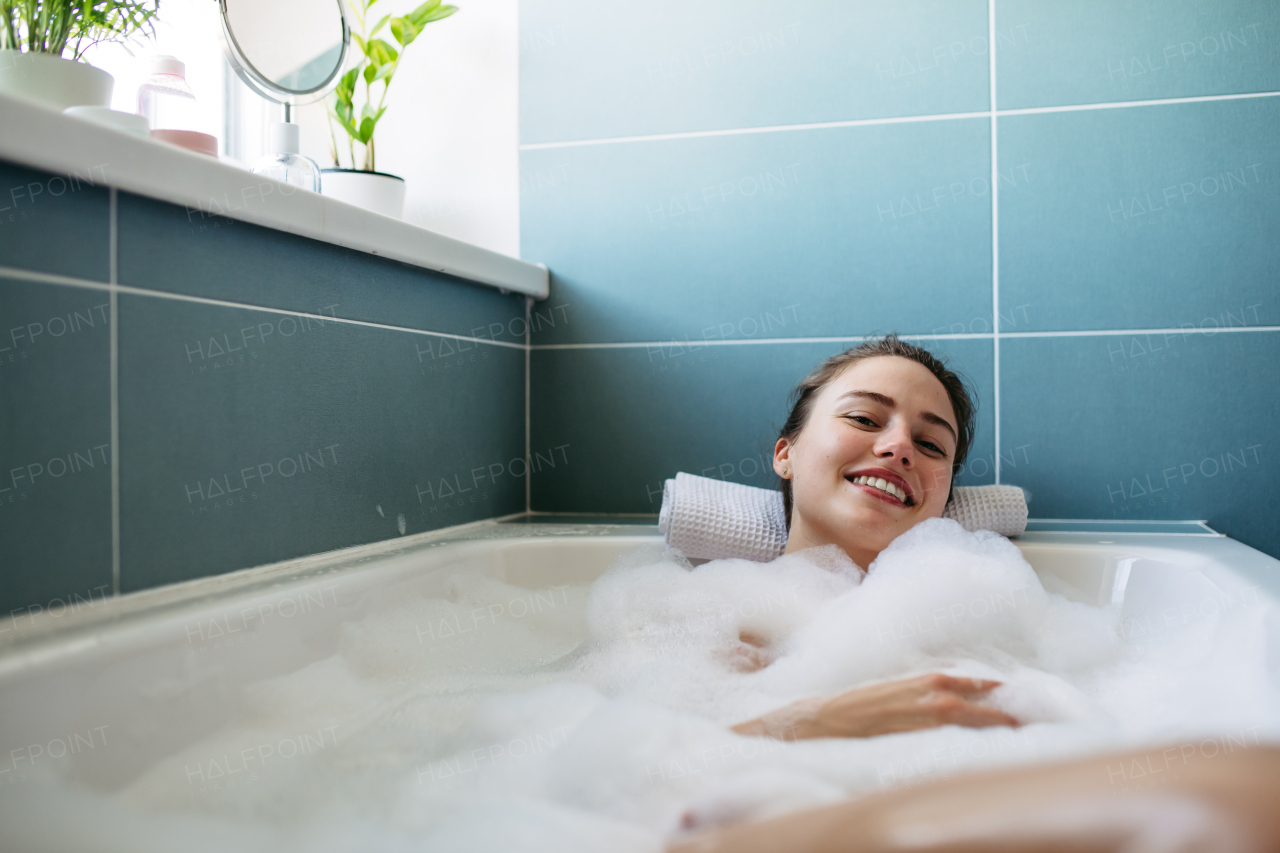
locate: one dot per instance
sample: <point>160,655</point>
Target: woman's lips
<point>894,486</point>
<point>876,493</point>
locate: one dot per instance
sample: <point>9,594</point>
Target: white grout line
<point>690,344</point>
<point>975,336</point>
<point>739,131</point>
<point>528,356</point>
<point>113,276</point>
<point>995,237</point>
<point>1087,333</point>
<point>1119,521</point>
<point>67,281</point>
<point>782,128</point>
<point>1116,105</point>
<point>599,514</point>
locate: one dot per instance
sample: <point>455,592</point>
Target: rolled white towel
<point>710,519</point>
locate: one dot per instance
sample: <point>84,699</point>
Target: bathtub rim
<point>46,636</point>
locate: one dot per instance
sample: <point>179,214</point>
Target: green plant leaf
<point>350,128</point>
<point>405,31</point>
<point>347,84</point>
<point>422,11</point>
<point>378,26</point>
<point>366,130</point>
<point>355,37</point>
<point>381,52</point>
<point>439,14</point>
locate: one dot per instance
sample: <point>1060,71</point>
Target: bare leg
<point>1228,803</point>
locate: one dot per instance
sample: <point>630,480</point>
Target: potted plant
<point>41,42</point>
<point>364,185</point>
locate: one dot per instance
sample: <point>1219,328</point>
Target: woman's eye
<point>929,445</point>
<point>862,419</point>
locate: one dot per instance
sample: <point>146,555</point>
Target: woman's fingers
<point>948,702</point>
<point>978,716</point>
<point>968,687</point>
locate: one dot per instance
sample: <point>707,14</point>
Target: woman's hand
<point>906,705</point>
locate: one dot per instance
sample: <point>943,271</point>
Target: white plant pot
<point>53,81</point>
<point>376,191</point>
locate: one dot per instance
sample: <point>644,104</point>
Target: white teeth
<point>882,485</point>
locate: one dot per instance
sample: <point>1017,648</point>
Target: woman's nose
<point>895,443</point>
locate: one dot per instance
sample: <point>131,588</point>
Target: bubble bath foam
<point>564,687</point>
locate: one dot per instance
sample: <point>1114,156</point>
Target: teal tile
<point>249,437</point>
<point>53,223</point>
<point>55,447</point>
<point>1100,51</point>
<point>1168,224</point>
<point>772,235</point>
<point>591,70</point>
<point>1147,427</point>
<point>174,249</point>
<point>629,418</point>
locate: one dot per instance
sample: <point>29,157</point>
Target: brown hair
<point>808,389</point>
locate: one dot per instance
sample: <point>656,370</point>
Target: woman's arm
<point>923,702</point>
<point>1195,802</point>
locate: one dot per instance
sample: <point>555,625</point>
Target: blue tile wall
<point>180,250</point>
<point>55,447</point>
<point>39,210</point>
<point>1096,51</point>
<point>593,70</point>
<point>1111,214</point>
<point>630,417</point>
<point>1168,426</point>
<point>248,432</point>
<point>1171,223</point>
<point>764,235</point>
<point>312,436</point>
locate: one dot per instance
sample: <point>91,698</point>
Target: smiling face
<point>873,459</point>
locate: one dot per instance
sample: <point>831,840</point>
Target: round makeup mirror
<point>288,51</point>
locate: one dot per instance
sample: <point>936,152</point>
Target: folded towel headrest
<point>713,519</point>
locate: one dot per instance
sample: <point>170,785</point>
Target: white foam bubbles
<point>472,713</point>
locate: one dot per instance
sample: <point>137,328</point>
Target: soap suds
<point>488,716</point>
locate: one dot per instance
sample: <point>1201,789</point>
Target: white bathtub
<point>101,694</point>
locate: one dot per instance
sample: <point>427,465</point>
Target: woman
<point>869,450</point>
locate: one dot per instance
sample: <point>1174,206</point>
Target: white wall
<point>451,126</point>
<point>451,130</point>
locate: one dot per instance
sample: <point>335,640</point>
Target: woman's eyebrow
<point>882,399</point>
<point>885,400</point>
<point>940,421</point>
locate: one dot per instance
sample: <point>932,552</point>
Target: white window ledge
<point>32,135</point>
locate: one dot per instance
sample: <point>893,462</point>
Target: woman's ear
<point>782,459</point>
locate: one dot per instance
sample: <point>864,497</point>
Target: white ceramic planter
<point>376,191</point>
<point>53,81</point>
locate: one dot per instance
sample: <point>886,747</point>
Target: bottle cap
<point>165,64</point>
<point>285,138</point>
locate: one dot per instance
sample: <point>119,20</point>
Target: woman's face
<point>884,419</point>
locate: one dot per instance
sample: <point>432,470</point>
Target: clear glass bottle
<point>165,100</point>
<point>285,163</point>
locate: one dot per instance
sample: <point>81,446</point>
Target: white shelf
<point>32,135</point>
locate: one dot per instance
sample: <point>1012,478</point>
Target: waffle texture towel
<point>710,519</point>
